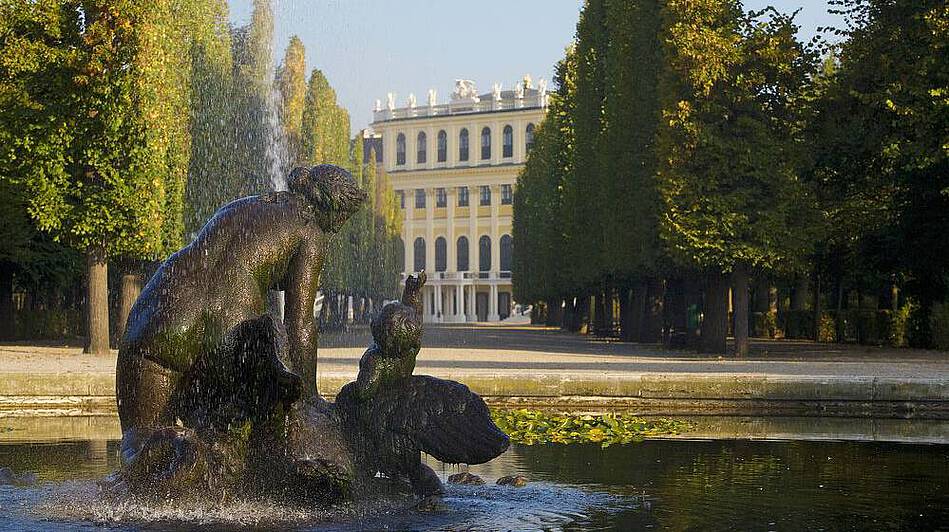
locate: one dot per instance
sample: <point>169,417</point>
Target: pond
<point>677,484</point>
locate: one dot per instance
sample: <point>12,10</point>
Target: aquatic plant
<point>529,427</point>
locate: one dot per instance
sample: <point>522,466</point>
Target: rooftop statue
<point>464,90</point>
<point>217,398</point>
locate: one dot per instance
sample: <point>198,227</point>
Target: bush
<point>894,326</point>
<point>827,332</point>
<point>939,326</point>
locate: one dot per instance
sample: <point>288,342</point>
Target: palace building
<point>453,166</point>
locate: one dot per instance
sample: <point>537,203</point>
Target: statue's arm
<point>367,382</point>
<point>412,293</point>
<point>303,282</point>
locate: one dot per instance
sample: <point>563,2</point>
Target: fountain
<point>218,398</point>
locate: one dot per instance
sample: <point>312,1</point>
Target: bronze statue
<point>217,397</point>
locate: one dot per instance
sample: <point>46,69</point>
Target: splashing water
<point>278,152</point>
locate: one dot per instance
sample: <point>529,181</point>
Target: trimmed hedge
<point>859,326</point>
<point>48,324</point>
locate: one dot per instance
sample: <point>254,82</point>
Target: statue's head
<point>397,329</point>
<point>331,190</point>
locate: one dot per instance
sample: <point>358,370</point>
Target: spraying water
<point>278,152</point>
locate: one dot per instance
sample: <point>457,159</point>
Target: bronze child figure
<point>393,415</point>
<point>397,335</point>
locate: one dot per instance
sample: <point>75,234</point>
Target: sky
<point>368,48</point>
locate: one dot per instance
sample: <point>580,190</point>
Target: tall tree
<point>584,190</point>
<point>252,82</point>
<point>727,145</point>
<point>885,191</point>
<point>538,262</point>
<point>632,63</point>
<point>97,175</point>
<point>291,83</point>
<point>216,172</point>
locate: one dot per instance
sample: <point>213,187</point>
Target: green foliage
<point>80,139</point>
<point>727,141</point>
<point>529,427</point>
<point>585,187</point>
<point>885,190</point>
<point>828,328</point>
<point>325,125</point>
<point>863,326</point>
<point>538,272</point>
<point>291,83</point>
<point>673,147</point>
<point>630,201</point>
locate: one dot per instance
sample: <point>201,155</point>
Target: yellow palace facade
<point>453,167</point>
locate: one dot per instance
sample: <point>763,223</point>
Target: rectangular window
<point>401,196</point>
<point>462,196</point>
<point>507,195</point>
<point>485,195</point>
<point>420,198</point>
<point>441,199</point>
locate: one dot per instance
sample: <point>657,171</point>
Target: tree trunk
<point>651,329</point>
<point>762,300</point>
<point>740,313</point>
<point>799,296</point>
<point>7,330</point>
<point>131,288</point>
<point>715,324</point>
<point>569,311</point>
<point>817,306</point>
<point>638,312</point>
<point>584,305</point>
<point>601,317</point>
<point>605,310</point>
<point>97,302</point>
<point>555,313</point>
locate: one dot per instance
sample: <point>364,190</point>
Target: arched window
<point>529,137</point>
<point>463,145</point>
<point>461,253</point>
<point>421,147</point>
<point>400,149</point>
<point>508,141</point>
<point>442,146</point>
<point>507,250</point>
<point>484,253</point>
<point>441,254</point>
<point>419,254</point>
<point>400,254</point>
<point>485,143</point>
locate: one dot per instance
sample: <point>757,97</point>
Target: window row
<point>461,254</point>
<point>441,196</point>
<point>421,145</point>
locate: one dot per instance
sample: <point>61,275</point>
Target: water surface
<point>656,484</point>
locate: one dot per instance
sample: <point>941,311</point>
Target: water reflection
<point>659,484</point>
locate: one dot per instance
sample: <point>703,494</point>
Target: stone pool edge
<point>89,394</point>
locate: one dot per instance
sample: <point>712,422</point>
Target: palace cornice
<point>461,117</point>
<point>469,170</point>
